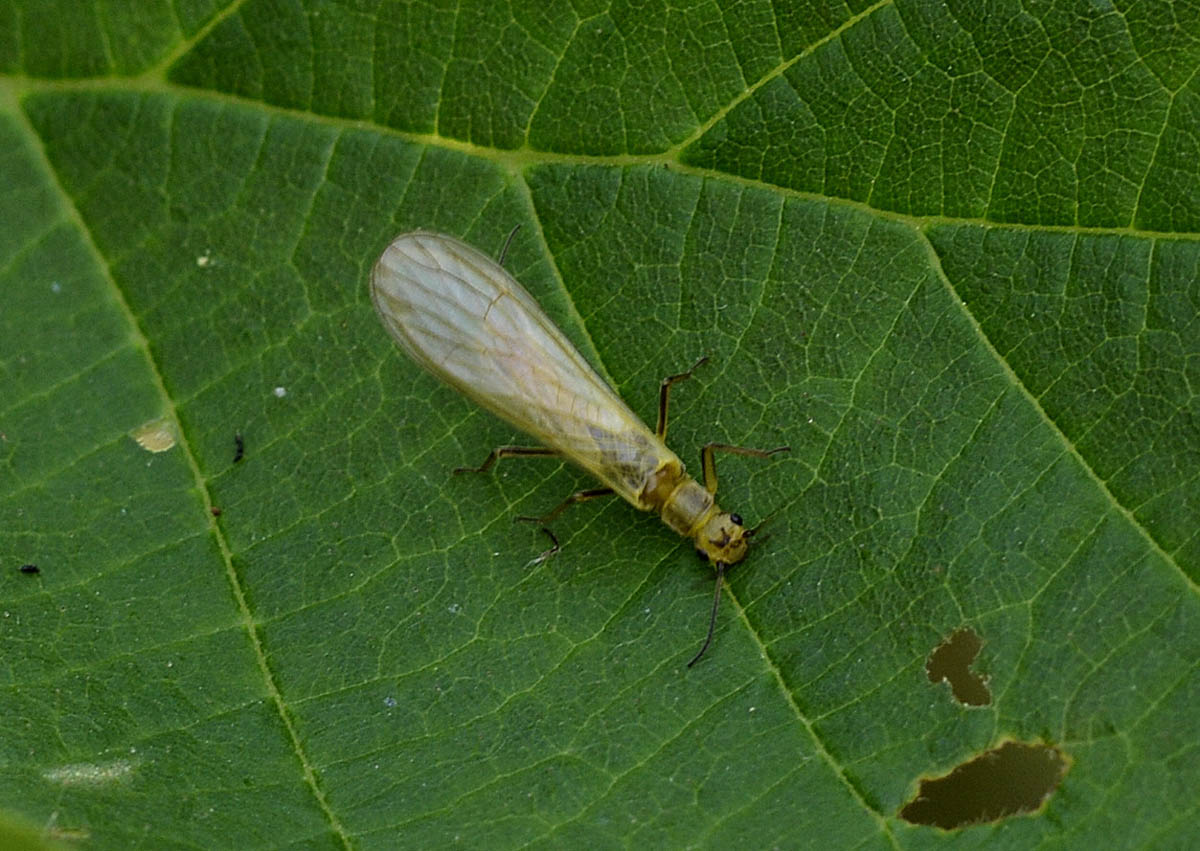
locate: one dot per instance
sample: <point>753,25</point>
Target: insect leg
<point>500,261</point>
<point>710,465</point>
<point>547,553</point>
<point>578,496</point>
<point>664,395</point>
<point>507,452</point>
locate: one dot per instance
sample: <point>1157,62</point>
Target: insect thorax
<point>683,504</point>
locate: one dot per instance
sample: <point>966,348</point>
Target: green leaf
<point>945,251</point>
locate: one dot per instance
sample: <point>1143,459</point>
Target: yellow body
<point>463,318</point>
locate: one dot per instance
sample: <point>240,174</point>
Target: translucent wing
<point>466,320</point>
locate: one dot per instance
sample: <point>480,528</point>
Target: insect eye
<point>736,518</point>
<point>702,554</point>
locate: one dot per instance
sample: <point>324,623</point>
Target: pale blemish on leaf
<point>69,834</point>
<point>90,773</point>
<point>53,830</point>
<point>156,435</point>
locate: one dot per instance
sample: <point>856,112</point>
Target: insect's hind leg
<point>710,465</point>
<point>508,452</point>
<point>664,396</point>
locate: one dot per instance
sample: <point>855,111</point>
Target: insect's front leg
<point>710,465</point>
<point>664,396</point>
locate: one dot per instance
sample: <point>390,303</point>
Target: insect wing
<point>466,320</point>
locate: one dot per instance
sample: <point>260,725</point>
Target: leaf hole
<point>951,662</point>
<point>1010,780</point>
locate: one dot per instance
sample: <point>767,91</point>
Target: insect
<point>463,318</point>
<point>30,569</point>
<point>239,447</point>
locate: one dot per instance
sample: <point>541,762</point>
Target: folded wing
<point>462,317</point>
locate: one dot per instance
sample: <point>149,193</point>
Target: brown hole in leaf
<point>1012,779</point>
<point>951,661</point>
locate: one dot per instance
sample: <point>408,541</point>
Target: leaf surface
<point>949,258</point>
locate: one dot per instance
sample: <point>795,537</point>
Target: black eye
<point>736,518</point>
<point>703,555</point>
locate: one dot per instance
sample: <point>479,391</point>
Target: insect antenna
<point>712,621</point>
<point>750,533</point>
<point>762,523</point>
